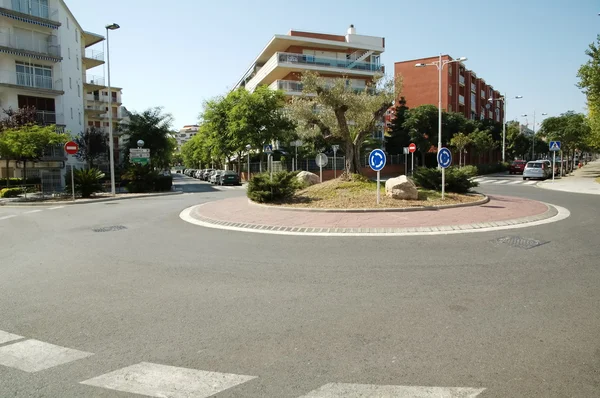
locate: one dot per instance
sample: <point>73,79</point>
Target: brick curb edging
<point>71,203</point>
<point>485,199</point>
<point>552,212</point>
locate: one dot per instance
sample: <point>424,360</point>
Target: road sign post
<point>412,148</point>
<point>321,161</point>
<point>72,148</point>
<point>405,151</point>
<point>268,149</point>
<point>335,149</point>
<point>554,147</point>
<point>444,159</point>
<point>377,161</point>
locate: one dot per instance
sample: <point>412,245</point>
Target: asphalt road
<point>128,282</point>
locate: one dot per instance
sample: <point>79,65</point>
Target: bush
<point>142,179</point>
<point>163,183</point>
<point>457,180</point>
<point>262,190</point>
<point>87,182</point>
<point>10,192</point>
<point>15,182</point>
<point>470,170</point>
<point>491,168</point>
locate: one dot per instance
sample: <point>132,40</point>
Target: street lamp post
<point>248,147</point>
<point>111,144</point>
<point>440,66</point>
<point>504,100</point>
<point>533,135</point>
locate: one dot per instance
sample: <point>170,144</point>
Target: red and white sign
<point>71,148</point>
<point>412,148</point>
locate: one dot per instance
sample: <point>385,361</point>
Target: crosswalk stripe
<point>34,355</point>
<point>32,211</point>
<point>5,337</point>
<point>515,182</point>
<point>7,217</point>
<point>484,181</point>
<point>479,179</point>
<point>56,208</point>
<point>156,380</point>
<point>342,390</point>
<point>500,181</point>
<point>530,182</point>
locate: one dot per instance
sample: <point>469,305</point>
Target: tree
<point>517,144</point>
<point>29,142</point>
<point>460,142</point>
<point>93,145</point>
<point>339,111</point>
<point>482,142</point>
<point>589,82</point>
<point>15,119</point>
<point>153,127</point>
<point>570,128</point>
<point>422,125</point>
<point>399,136</point>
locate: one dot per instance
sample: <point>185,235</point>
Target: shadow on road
<point>189,184</point>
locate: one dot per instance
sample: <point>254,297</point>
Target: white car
<point>541,169</point>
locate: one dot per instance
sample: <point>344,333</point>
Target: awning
<point>28,54</point>
<point>28,20</point>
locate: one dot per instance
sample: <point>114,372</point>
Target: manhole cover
<point>520,242</point>
<point>110,229</point>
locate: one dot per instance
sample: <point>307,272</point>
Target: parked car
<point>215,176</point>
<point>229,177</point>
<point>538,169</point>
<point>517,167</point>
<point>198,173</point>
<point>206,174</point>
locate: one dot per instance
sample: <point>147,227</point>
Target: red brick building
<point>462,90</point>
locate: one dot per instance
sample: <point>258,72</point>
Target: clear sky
<point>177,54</point>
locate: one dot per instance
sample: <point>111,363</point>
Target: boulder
<point>401,188</point>
<point>308,178</point>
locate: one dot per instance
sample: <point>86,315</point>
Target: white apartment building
<point>186,134</point>
<point>357,58</point>
<point>45,56</point>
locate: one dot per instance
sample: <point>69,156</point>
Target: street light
<point>111,144</point>
<point>440,65</point>
<point>533,135</point>
<point>504,100</point>
<point>248,147</point>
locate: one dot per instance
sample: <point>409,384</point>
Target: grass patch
<point>338,194</point>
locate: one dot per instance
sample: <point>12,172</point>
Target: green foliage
<point>163,183</point>
<point>262,190</point>
<point>457,180</point>
<point>143,178</point>
<point>28,142</point>
<point>399,137</point>
<point>470,170</point>
<point>570,128</point>
<point>154,128</point>
<point>491,168</point>
<point>10,192</point>
<point>87,181</point>
<point>93,145</point>
<point>15,182</point>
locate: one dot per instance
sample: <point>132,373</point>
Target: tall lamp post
<point>111,144</point>
<point>440,66</point>
<point>248,147</point>
<point>504,100</point>
<point>533,135</point>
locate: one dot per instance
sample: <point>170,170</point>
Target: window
<point>78,90</point>
<point>473,100</point>
<point>71,113</point>
<point>450,90</point>
<point>450,70</point>
<point>33,75</point>
<point>449,107</point>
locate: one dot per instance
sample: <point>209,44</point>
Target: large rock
<point>401,188</point>
<point>308,178</point>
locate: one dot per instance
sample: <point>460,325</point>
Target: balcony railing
<point>49,117</point>
<point>48,46</point>
<point>461,80</point>
<point>96,80</point>
<point>94,54</point>
<point>303,59</point>
<point>31,7</point>
<point>30,80</point>
<point>296,87</point>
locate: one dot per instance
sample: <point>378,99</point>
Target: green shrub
<point>470,170</point>
<point>163,183</point>
<point>10,192</point>
<point>262,190</point>
<point>15,182</point>
<point>142,179</point>
<point>87,181</point>
<point>491,168</point>
<point>457,180</point>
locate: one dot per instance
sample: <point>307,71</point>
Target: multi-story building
<point>357,58</point>
<point>186,134</point>
<point>46,56</point>
<point>462,90</point>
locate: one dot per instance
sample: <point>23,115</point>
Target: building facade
<point>357,58</point>
<point>45,62</point>
<point>186,134</point>
<point>462,90</point>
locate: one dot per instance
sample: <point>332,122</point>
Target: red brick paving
<point>499,208</point>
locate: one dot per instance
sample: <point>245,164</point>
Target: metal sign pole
<point>562,163</point>
<point>378,179</point>
<point>320,173</point>
<point>405,163</point>
<point>334,166</point>
<point>412,163</point>
<point>443,182</point>
<point>73,183</point>
<point>270,160</point>
<point>553,163</point>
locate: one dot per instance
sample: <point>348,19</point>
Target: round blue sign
<point>444,157</point>
<point>377,159</point>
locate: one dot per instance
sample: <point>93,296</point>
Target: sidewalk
<point>582,180</point>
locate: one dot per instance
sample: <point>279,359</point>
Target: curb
<point>552,214</point>
<point>71,203</point>
<point>485,199</point>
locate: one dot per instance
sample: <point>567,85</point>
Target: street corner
<point>499,213</point>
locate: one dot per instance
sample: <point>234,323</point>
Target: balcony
<point>92,58</point>
<point>33,9</point>
<point>49,117</point>
<point>46,49</point>
<point>461,80</point>
<point>292,87</point>
<point>282,63</point>
<point>461,99</point>
<point>95,109</point>
<point>94,83</point>
<point>39,84</point>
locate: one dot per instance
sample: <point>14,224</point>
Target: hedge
<point>457,180</point>
<point>10,192</point>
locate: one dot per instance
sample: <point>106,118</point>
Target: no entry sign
<point>412,148</point>
<point>71,148</point>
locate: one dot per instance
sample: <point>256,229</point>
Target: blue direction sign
<point>268,149</point>
<point>377,159</point>
<point>444,157</point>
<point>555,146</point>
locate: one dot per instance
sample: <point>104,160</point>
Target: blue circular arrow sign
<point>444,157</point>
<point>377,159</point>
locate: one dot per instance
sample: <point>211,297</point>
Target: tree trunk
<point>7,178</point>
<point>352,164</point>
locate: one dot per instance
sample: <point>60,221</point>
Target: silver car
<point>538,169</point>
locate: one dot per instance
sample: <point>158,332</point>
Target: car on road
<point>216,176</point>
<point>229,177</point>
<point>538,169</point>
<point>198,173</point>
<point>206,174</point>
<point>517,167</point>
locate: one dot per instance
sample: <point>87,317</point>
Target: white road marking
<point>34,355</point>
<point>56,208</point>
<point>530,182</point>
<point>515,182</point>
<point>32,211</point>
<point>5,337</point>
<point>500,181</point>
<point>7,217</point>
<point>341,390</point>
<point>484,181</point>
<point>156,380</point>
<point>479,179</point>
